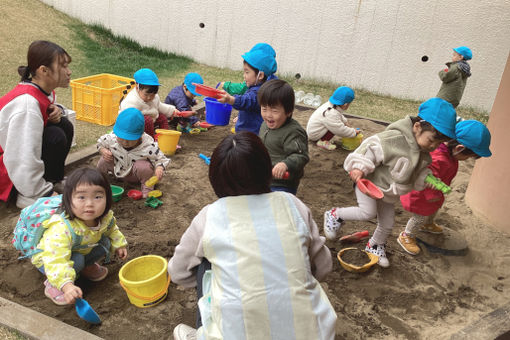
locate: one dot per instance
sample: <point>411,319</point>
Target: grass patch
<point>108,53</point>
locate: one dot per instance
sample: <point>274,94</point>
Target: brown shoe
<point>94,272</point>
<point>432,228</point>
<point>408,243</point>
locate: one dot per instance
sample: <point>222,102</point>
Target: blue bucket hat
<point>475,136</point>
<point>130,124</point>
<point>342,95</point>
<point>190,79</point>
<point>440,114</point>
<point>464,51</point>
<point>261,60</point>
<point>268,49</point>
<point>146,76</point>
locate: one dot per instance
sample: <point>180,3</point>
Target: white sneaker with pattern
<point>379,250</point>
<point>331,224</point>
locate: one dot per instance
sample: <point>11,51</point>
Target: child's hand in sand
<point>159,172</point>
<point>121,253</point>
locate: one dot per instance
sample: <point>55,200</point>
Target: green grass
<point>9,334</point>
<point>95,49</point>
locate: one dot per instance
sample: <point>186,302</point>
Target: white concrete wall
<point>376,45</point>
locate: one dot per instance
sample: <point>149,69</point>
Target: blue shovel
<point>86,312</point>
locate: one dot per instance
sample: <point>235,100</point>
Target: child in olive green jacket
<point>454,77</point>
<point>285,140</point>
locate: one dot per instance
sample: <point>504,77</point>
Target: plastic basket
<point>96,98</point>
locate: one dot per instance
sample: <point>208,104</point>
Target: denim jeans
<point>286,189</point>
<point>81,261</point>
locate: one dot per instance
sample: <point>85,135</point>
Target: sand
<point>429,296</point>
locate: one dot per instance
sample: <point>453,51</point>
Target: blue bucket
<point>217,113</point>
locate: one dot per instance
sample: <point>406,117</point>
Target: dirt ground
<point>429,296</point>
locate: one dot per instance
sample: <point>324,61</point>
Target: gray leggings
<point>417,221</point>
<point>367,209</point>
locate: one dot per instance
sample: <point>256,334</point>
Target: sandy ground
<point>429,296</point>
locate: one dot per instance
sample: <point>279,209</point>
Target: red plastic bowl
<point>185,114</point>
<point>370,189</point>
<point>134,194</point>
<point>208,91</point>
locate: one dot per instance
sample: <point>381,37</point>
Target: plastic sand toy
<point>86,312</point>
<point>438,184</point>
<point>206,159</point>
<point>117,192</point>
<point>151,181</point>
<point>369,188</point>
<point>208,91</point>
<point>155,193</point>
<point>134,194</point>
<point>152,202</point>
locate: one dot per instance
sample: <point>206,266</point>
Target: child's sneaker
<point>408,243</point>
<point>331,224</point>
<point>432,228</point>
<point>327,145</point>
<point>54,294</point>
<point>379,250</point>
<point>184,332</point>
<point>94,272</point>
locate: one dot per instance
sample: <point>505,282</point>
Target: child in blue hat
<point>240,88</point>
<point>328,120</point>
<point>454,77</point>
<point>128,153</point>
<point>396,161</point>
<point>258,67</point>
<point>146,99</point>
<point>472,141</point>
<point>183,98</point>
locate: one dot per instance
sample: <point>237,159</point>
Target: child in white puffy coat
<point>328,120</point>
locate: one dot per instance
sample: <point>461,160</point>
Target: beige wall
<point>488,193</point>
<point>376,45</point>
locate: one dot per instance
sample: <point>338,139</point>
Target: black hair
<point>256,70</point>
<point>277,92</point>
<point>42,52</point>
<point>452,144</point>
<point>150,88</point>
<point>240,165</point>
<point>426,126</point>
<point>90,176</point>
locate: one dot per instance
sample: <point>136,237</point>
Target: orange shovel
<point>356,237</point>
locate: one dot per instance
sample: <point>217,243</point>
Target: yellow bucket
<point>352,143</point>
<point>145,280</point>
<point>167,140</point>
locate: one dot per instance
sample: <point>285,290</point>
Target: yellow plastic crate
<point>96,98</point>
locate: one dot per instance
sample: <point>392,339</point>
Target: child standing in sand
<point>396,161</point>
<point>328,120</point>
<point>130,154</point>
<point>260,249</point>
<point>472,141</point>
<point>258,67</point>
<point>86,210</point>
<point>455,76</point>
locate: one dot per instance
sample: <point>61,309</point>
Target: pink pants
<point>328,136</point>
<point>160,123</point>
<point>141,171</point>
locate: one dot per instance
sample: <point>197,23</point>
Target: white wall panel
<point>376,45</point>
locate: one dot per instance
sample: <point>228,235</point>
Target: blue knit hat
<point>190,79</point>
<point>342,95</point>
<point>130,124</point>
<point>464,52</point>
<point>261,60</point>
<point>475,136</point>
<point>146,76</point>
<point>268,49</point>
<point>440,114</point>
